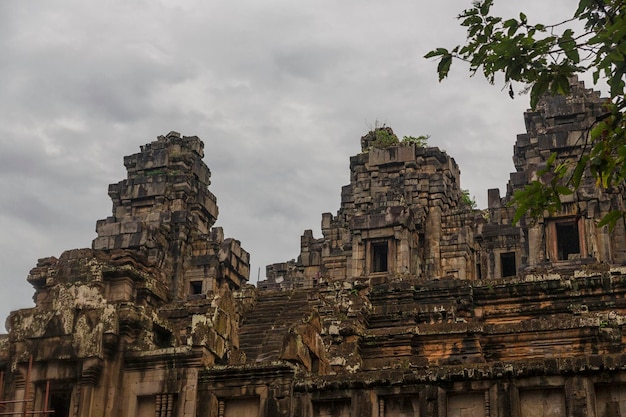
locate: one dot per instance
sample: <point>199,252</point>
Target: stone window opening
<point>51,398</point>
<point>565,119</point>
<point>508,267</point>
<point>315,363</point>
<point>195,287</point>
<point>380,256</point>
<point>59,402</point>
<point>162,337</point>
<point>568,242</point>
<point>564,239</point>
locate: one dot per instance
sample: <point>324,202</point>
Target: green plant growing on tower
<point>384,137</point>
<point>468,199</point>
<point>419,141</point>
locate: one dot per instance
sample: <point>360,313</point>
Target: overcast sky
<point>280,91</point>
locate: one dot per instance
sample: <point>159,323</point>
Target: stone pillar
<point>580,400</point>
<point>189,394</point>
<point>358,256</point>
<point>536,244</point>
<point>82,401</point>
<point>487,403</point>
<point>503,400</point>
<point>432,401</point>
<point>18,393</point>
<point>85,389</point>
<point>361,404</point>
<point>603,243</point>
<point>403,251</point>
<point>433,234</point>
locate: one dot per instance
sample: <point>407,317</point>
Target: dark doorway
<point>507,264</point>
<point>567,240</point>
<point>195,287</point>
<point>60,403</point>
<point>380,252</point>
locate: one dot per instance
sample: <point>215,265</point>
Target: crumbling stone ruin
<point>412,303</point>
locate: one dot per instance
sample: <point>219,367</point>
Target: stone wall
<point>412,303</point>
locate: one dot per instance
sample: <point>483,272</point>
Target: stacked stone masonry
<point>412,303</point>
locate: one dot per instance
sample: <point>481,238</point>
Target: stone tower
<point>122,328</point>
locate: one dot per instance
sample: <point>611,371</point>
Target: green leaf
<point>598,130</point>
<point>444,66</point>
<point>560,85</point>
<point>436,52</point>
<point>473,30</point>
<point>510,23</point>
<point>560,170</point>
<point>579,170</point>
<point>568,45</point>
<point>596,76</point>
<point>539,88</point>
<point>582,6</point>
<point>472,21</point>
<point>523,19</point>
<point>616,56</point>
<point>484,8</point>
<point>611,219</point>
<point>562,190</point>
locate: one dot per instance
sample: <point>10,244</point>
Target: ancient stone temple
<point>412,303</point>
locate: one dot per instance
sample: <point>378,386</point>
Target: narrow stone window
<point>195,287</point>
<point>566,119</point>
<point>162,337</point>
<point>507,264</point>
<point>380,252</point>
<point>567,240</point>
